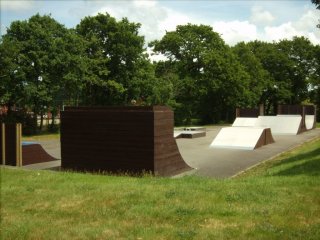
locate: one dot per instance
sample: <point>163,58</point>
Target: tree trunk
<point>267,110</point>
<point>41,121</point>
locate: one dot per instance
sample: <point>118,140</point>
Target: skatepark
<point>209,162</point>
<point>143,138</point>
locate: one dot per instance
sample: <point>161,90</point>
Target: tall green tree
<point>12,78</point>
<point>116,54</point>
<point>36,63</point>
<point>277,64</point>
<point>210,78</point>
<point>314,82</point>
<point>303,64</point>
<point>260,80</point>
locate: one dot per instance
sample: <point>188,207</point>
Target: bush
<point>29,125</point>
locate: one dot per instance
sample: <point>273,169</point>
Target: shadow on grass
<point>302,156</point>
<point>310,164</point>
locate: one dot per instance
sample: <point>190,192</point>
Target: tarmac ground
<point>223,163</point>
<point>209,162</point>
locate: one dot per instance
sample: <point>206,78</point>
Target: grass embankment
<point>278,200</point>
<point>41,137</point>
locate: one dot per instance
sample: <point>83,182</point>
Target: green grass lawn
<point>39,137</point>
<point>279,199</point>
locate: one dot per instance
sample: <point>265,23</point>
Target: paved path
<point>218,163</point>
<point>222,163</point>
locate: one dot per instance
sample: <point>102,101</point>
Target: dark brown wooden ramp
<point>265,138</point>
<point>34,153</point>
<point>120,139</point>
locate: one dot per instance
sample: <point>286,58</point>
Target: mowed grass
<point>277,200</point>
<point>41,137</point>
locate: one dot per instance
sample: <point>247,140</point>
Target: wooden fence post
<point>18,145</point>
<point>3,144</point>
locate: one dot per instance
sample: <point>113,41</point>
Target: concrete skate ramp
<point>310,121</point>
<point>281,124</point>
<point>246,138</point>
<point>244,122</point>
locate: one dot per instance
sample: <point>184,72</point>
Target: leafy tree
<point>314,81</point>
<point>277,63</point>
<point>11,76</point>
<point>210,79</point>
<point>303,64</point>
<point>259,78</point>
<point>115,53</point>
<point>36,63</point>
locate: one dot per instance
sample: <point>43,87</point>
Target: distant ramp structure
<point>310,121</point>
<point>282,124</point>
<point>310,117</point>
<point>246,138</point>
<point>308,113</point>
<point>244,122</point>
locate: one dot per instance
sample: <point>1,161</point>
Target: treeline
<point>102,61</point>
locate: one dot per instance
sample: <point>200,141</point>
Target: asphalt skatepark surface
<point>210,162</point>
<point>223,163</point>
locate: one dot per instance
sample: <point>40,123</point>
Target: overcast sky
<point>234,20</point>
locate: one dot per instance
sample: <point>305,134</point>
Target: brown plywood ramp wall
<point>13,153</point>
<point>265,138</point>
<point>34,153</point>
<point>2,144</point>
<point>120,139</point>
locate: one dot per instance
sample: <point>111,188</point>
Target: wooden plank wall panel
<point>247,112</point>
<point>310,110</point>
<point>11,144</point>
<point>127,139</point>
<point>290,110</point>
<point>1,143</point>
<point>168,160</point>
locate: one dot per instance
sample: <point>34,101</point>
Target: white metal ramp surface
<point>244,122</point>
<point>310,121</point>
<point>281,124</point>
<point>238,138</point>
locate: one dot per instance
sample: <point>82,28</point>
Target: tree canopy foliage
<point>103,61</point>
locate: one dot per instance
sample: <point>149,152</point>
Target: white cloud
<point>283,31</point>
<point>305,26</point>
<point>155,19</point>
<point>173,19</point>
<point>155,57</point>
<point>3,29</point>
<point>260,16</point>
<point>147,3</point>
<point>16,5</point>
<point>308,21</point>
<point>236,31</point>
